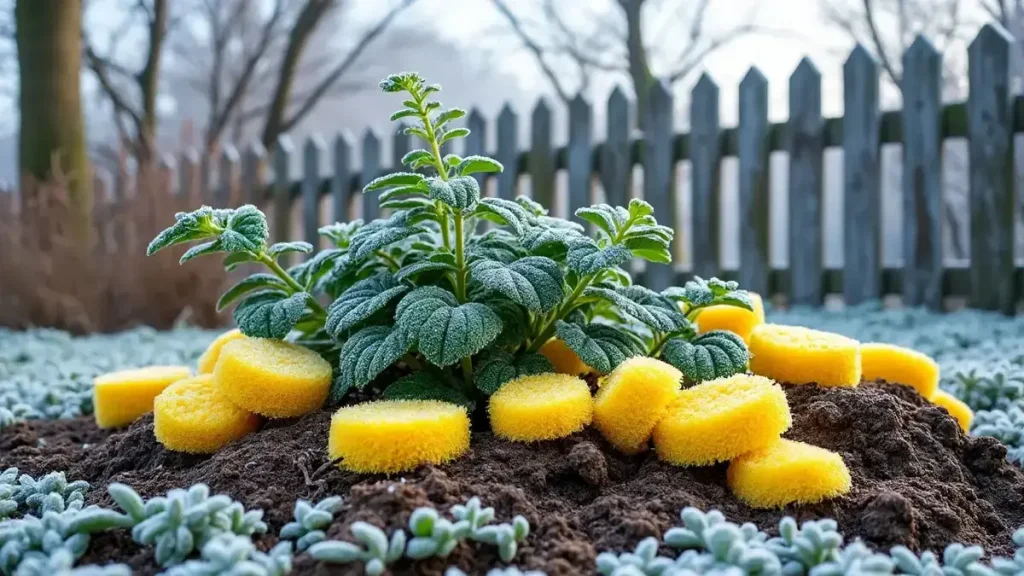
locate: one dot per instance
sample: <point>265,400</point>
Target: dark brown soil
<point>918,481</point>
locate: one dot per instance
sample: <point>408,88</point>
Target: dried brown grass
<point>48,277</point>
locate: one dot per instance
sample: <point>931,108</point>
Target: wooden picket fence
<point>988,120</point>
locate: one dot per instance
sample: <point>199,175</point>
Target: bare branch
<point>535,48</point>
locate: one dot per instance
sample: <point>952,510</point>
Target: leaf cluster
<point>33,541</point>
<point>310,522</point>
<point>232,555</point>
<point>51,493</point>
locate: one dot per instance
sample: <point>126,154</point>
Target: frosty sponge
<point>957,409</point>
<point>272,378</point>
<point>541,407</point>
<point>632,399</point>
<point>191,416</point>
<point>397,435</point>
<point>563,359</point>
<point>209,358</point>
<point>796,355</point>
<point>721,419</point>
<point>900,366</point>
<point>732,318</point>
<point>120,398</point>
<point>788,472</point>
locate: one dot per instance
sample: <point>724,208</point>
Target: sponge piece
<point>397,435</point>
<point>732,318</point>
<point>797,355</point>
<point>957,409</point>
<point>120,398</point>
<point>272,378</point>
<point>191,416</point>
<point>209,358</point>
<point>563,359</point>
<point>721,419</point>
<point>632,399</point>
<point>788,472</point>
<point>541,407</point>
<point>900,366</point>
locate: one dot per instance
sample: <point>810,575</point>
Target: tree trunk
<point>639,69</point>
<point>149,82</point>
<point>52,130</point>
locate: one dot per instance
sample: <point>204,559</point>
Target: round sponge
<point>732,318</point>
<point>788,472</point>
<point>797,355</point>
<point>397,435</point>
<point>541,407</point>
<point>632,399</point>
<point>191,416</point>
<point>120,398</point>
<point>209,358</point>
<point>563,359</point>
<point>957,409</point>
<point>721,419</point>
<point>272,378</point>
<point>900,366</point>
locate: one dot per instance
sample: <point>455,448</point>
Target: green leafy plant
<point>51,493</point>
<point>424,291</point>
<point>374,549</point>
<point>233,555</point>
<point>35,540</point>
<point>62,562</point>
<point>310,522</point>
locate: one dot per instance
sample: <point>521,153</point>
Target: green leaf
<point>231,261</point>
<point>716,354</point>
<point>417,158</point>
<point>308,273</point>
<point>381,233</point>
<point>395,179</point>
<point>649,249</point>
<point>534,282</point>
<point>406,113</point>
<point>478,164</point>
<point>453,134</point>
<point>699,293</point>
<point>270,314</point>
<point>254,282</point>
<point>418,132</point>
<point>282,247</point>
<point>646,306</point>
<point>340,233</point>
<point>366,354</point>
<point>412,270</point>
<point>499,366</point>
<point>364,299</point>
<point>531,206</point>
<point>551,242</point>
<point>402,192</point>
<point>425,386</point>
<point>250,226</point>
<point>447,116</point>
<point>188,226</point>
<point>514,318</point>
<point>444,330</point>
<point>504,212</point>
<point>461,193</point>
<point>405,203</point>
<point>604,217</point>
<point>211,247</point>
<point>638,209</point>
<point>585,257</point>
<point>599,346</point>
<point>495,245</point>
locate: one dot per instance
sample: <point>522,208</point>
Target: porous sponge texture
<point>632,399</point>
<point>788,472</point>
<point>120,398</point>
<point>797,355</point>
<point>192,416</point>
<point>732,318</point>
<point>721,419</point>
<point>957,409</point>
<point>272,378</point>
<point>541,407</point>
<point>209,358</point>
<point>900,366</point>
<point>397,435</point>
<point>563,359</point>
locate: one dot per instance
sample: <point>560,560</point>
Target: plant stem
<point>460,259</point>
<point>467,372</point>
<point>412,362</point>
<point>393,264</point>
<point>274,267</point>
<point>563,309</point>
<point>659,343</point>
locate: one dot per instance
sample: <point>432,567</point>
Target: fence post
<point>508,152</point>
<point>806,148</point>
<point>283,149</point>
<point>370,170</point>
<point>990,135</point>
<point>704,178</point>
<point>754,181</point>
<point>616,163</point>
<point>659,188</point>
<point>227,174</point>
<point>542,167</point>
<point>862,199</point>
<point>253,170</point>
<point>580,166</point>
<point>476,143</point>
<point>922,175</point>
<point>311,155</point>
<point>341,181</point>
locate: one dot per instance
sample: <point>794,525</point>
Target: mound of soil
<point>918,481</point>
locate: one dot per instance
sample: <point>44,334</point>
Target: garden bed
<point>917,481</point>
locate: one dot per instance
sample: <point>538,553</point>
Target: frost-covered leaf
<point>340,233</point>
<point>382,233</point>
<point>599,346</point>
<point>364,299</point>
<point>461,193</point>
<point>515,321</point>
<point>366,354</point>
<point>270,314</point>
<point>244,228</point>
<point>476,164</point>
<point>500,366</point>
<point>605,217</point>
<point>535,282</point>
<point>410,271</point>
<point>417,158</point>
<point>453,134</point>
<point>425,386</point>
<point>698,293</point>
<point>715,354</point>
<point>279,248</point>
<point>585,257</point>
<point>447,116</point>
<point>504,212</point>
<point>646,306</point>
<point>396,179</point>
<point>495,245</point>
<point>444,330</point>
<point>256,281</point>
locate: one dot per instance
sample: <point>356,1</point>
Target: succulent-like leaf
<point>499,366</point>
<point>715,354</point>
<point>256,281</point>
<point>425,386</point>
<point>461,193</point>
<point>599,346</point>
<point>270,314</point>
<point>444,330</point>
<point>364,299</point>
<point>534,282</point>
<point>585,257</point>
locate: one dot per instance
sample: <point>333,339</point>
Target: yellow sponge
<point>272,378</point>
<point>900,366</point>
<point>788,472</point>
<point>797,355</point>
<point>209,358</point>
<point>732,318</point>
<point>541,407</point>
<point>191,416</point>
<point>957,409</point>
<point>632,399</point>
<point>721,419</point>
<point>397,435</point>
<point>564,360</point>
<point>120,398</point>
